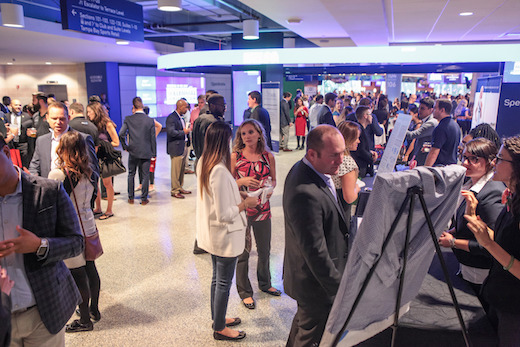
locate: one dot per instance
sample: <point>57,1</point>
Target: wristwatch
<point>44,247</point>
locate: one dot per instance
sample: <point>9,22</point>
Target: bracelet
<point>510,265</point>
<point>452,242</point>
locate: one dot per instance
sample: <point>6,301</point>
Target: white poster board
<point>394,143</point>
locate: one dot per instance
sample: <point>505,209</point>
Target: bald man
<point>176,131</point>
<point>21,121</point>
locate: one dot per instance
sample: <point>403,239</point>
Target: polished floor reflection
<point>155,291</point>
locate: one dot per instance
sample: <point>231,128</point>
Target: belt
<point>22,310</point>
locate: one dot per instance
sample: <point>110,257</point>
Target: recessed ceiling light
<point>466,14</point>
<point>169,5</point>
<point>122,42</point>
<point>438,44</point>
<point>294,20</point>
<point>9,63</point>
<point>48,63</point>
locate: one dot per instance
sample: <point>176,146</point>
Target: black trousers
<point>308,325</point>
<point>262,231</point>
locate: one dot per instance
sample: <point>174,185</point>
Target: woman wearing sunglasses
<point>478,159</point>
<point>502,287</point>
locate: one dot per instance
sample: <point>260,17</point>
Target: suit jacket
<point>326,117</point>
<point>48,212</point>
<point>140,129</point>
<point>285,113</point>
<point>260,114</point>
<point>316,236</point>
<point>41,160</point>
<point>27,122</point>
<point>362,154</point>
<point>488,208</point>
<point>175,136</point>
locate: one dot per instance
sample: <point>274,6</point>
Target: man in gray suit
<point>141,147</point>
<point>44,158</point>
<point>285,122</point>
<point>39,229</point>
<point>425,132</point>
<point>316,235</point>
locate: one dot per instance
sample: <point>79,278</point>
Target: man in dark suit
<point>316,235</point>
<point>254,101</point>
<point>285,121</point>
<point>21,121</point>
<point>363,155</point>
<point>80,123</point>
<point>176,131</point>
<point>141,147</point>
<point>39,229</point>
<point>44,157</point>
<point>326,117</point>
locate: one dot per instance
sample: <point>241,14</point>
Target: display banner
<point>119,19</point>
<point>508,119</point>
<point>486,101</point>
<point>393,86</point>
<point>271,102</point>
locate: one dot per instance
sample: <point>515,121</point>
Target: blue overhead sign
<point>119,19</point>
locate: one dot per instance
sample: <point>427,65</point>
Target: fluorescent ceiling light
<point>464,14</point>
<point>12,15</point>
<point>169,5</point>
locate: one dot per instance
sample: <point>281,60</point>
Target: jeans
<point>144,172</point>
<point>223,271</point>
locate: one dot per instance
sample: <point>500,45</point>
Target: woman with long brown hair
<point>253,166</point>
<point>98,115</point>
<point>221,223</point>
<point>73,161</point>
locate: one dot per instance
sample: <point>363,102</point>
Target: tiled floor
<point>155,291</point>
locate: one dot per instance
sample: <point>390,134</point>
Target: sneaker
<point>76,326</point>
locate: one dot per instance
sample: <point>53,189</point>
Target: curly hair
<point>486,131</point>
<point>238,143</point>
<point>512,145</point>
<point>101,118</point>
<point>73,155</point>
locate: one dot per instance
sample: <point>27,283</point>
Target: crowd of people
<point>235,181</point>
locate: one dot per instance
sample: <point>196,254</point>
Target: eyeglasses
<point>473,159</point>
<point>498,158</point>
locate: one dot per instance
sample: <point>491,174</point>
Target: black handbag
<point>109,167</point>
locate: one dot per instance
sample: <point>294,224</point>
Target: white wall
<point>19,82</point>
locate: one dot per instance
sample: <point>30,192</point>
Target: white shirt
<point>54,145</point>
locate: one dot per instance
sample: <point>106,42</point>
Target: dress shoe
<point>236,321</point>
<point>218,336</point>
<point>76,326</point>
<point>145,202</point>
<point>273,292</point>
<point>287,150</point>
<point>131,201</point>
<point>182,191</point>
<point>250,306</point>
<point>178,195</point>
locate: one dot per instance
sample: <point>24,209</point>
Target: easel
<point>412,193</point>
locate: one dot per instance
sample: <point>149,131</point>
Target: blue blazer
<point>140,129</point>
<point>48,212</point>
<point>175,136</point>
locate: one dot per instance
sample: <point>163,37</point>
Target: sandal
<point>97,213</point>
<point>106,216</point>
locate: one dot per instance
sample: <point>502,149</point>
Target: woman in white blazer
<point>221,223</point>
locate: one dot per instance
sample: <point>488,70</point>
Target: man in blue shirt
<point>445,138</point>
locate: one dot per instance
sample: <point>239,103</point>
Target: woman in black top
<point>502,287</point>
<point>475,262</point>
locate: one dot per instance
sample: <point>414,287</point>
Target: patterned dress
<point>260,170</point>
